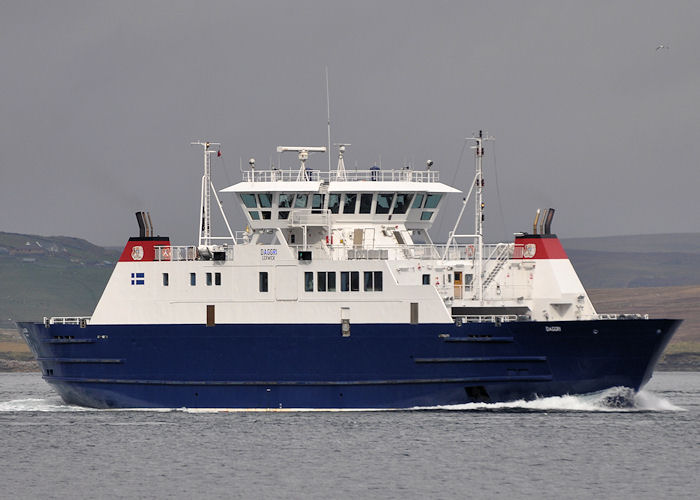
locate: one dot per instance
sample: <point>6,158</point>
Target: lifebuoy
<point>470,251</point>
<point>165,253</point>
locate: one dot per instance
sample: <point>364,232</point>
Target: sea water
<point>614,444</point>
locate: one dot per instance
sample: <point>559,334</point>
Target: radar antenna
<point>303,156</point>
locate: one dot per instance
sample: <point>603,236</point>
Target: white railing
<point>186,252</point>
<point>67,320</point>
<point>425,251</point>
<point>309,217</point>
<point>488,318</point>
<point>292,175</point>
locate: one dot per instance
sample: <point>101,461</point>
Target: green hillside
<point>50,276</point>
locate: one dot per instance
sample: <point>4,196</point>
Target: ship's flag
<point>138,279</point>
<point>218,153</point>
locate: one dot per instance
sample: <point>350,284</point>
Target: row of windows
<point>211,279</point>
<point>326,281</point>
<point>346,203</point>
<point>373,281</point>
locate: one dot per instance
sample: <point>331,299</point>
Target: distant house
<point>27,251</point>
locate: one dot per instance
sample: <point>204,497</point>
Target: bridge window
<point>334,203</point>
<point>384,202</point>
<point>248,200</point>
<point>331,281</point>
<point>266,214</point>
<point>366,203</point>
<point>426,215</point>
<point>317,201</point>
<point>418,201</point>
<point>321,281</point>
<point>301,201</point>
<point>262,281</point>
<point>350,202</point>
<point>344,281</point>
<point>402,202</point>
<point>432,200</point>
<point>308,281</point>
<point>265,200</point>
<point>283,214</point>
<point>254,214</point>
<point>285,200</point>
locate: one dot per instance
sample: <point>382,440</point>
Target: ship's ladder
<point>500,255</point>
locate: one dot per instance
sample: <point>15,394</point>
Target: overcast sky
<point>100,100</point>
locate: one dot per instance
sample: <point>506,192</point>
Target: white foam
<point>615,399</point>
<point>36,404</point>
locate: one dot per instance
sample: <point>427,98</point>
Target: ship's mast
<point>205,210</point>
<point>479,213</point>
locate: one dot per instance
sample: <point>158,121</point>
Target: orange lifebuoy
<point>470,251</point>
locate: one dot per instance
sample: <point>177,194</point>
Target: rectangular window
<point>384,202</point>
<point>432,200</point>
<point>426,215</point>
<point>334,202</point>
<point>369,281</point>
<point>366,203</point>
<point>331,281</point>
<point>209,282</point>
<point>301,201</point>
<point>166,279</point>
<point>193,279</point>
<point>217,279</point>
<point>308,281</point>
<point>418,201</point>
<point>285,200</point>
<point>266,214</point>
<point>402,202</point>
<point>321,281</point>
<point>355,281</point>
<point>262,281</point>
<point>344,281</point>
<point>249,200</point>
<point>378,281</point>
<point>265,200</point>
<point>254,214</point>
<point>350,202</point>
<point>426,279</point>
<point>317,202</point>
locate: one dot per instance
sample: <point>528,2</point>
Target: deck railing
<point>294,175</point>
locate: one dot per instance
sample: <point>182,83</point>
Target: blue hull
<point>315,366</point>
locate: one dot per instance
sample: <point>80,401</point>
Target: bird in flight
<point>662,46</point>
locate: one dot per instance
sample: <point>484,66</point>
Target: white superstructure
<point>345,246</point>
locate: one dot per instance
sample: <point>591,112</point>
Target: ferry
<point>336,297</point>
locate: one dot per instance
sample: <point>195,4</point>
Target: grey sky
<point>99,101</point>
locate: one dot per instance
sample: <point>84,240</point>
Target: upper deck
<point>287,198</point>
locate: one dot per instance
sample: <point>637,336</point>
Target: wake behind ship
<point>335,296</point>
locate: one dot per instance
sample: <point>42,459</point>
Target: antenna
<point>205,237</point>
<point>303,156</point>
<point>340,173</point>
<point>328,110</point>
